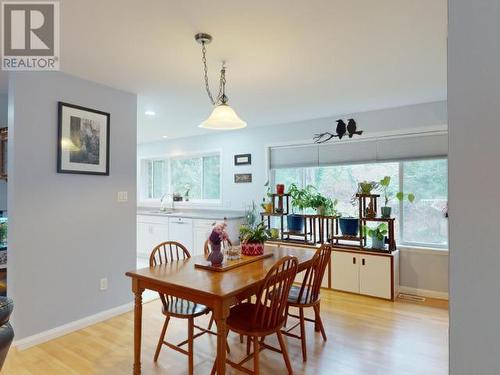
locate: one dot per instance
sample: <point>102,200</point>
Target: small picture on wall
<point>243,159</point>
<point>241,178</point>
<point>83,140</point>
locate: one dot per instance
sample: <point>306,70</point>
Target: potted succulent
<point>377,235</point>
<point>266,204</point>
<point>300,200</point>
<point>253,238</point>
<point>388,196</point>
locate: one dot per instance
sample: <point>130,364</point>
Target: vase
<point>216,256</point>
<point>386,212</point>
<point>349,226</point>
<point>377,243</point>
<point>280,189</point>
<point>295,223</point>
<point>252,248</point>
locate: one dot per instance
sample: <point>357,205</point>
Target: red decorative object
<point>280,189</point>
<point>252,248</point>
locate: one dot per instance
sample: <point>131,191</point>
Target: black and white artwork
<point>83,142</point>
<point>242,178</point>
<point>243,159</point>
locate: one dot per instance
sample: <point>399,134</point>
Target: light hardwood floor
<point>365,336</point>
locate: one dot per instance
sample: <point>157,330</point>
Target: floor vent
<point>411,297</point>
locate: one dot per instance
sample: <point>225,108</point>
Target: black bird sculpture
<point>351,128</point>
<point>342,129</point>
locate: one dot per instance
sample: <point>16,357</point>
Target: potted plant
<point>377,235</point>
<point>349,226</point>
<point>366,187</point>
<point>253,238</point>
<point>388,196</point>
<point>323,205</point>
<point>300,200</point>
<point>266,204</point>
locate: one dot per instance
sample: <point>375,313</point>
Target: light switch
<point>122,196</point>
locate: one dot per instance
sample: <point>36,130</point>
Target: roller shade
<point>295,156</point>
<point>366,151</point>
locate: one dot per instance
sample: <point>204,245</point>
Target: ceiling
<point>287,60</point>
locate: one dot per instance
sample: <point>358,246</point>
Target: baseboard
<point>53,333</point>
<point>423,292</point>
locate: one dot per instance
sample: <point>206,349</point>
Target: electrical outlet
<point>122,196</point>
<point>103,284</point>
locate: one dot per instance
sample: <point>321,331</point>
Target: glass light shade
<point>223,117</point>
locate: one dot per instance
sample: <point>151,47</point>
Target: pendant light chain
<point>221,96</point>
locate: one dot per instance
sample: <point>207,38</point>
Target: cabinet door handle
<point>353,260</point>
<point>363,261</point>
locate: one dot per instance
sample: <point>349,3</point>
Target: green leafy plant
<point>379,232</point>
<point>257,234</point>
<point>388,195</point>
<point>3,232</point>
<point>301,198</point>
<point>366,187</point>
<point>324,204</point>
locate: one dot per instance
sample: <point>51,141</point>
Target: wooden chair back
<point>270,311</point>
<point>167,252</point>
<point>207,248</point>
<point>311,284</point>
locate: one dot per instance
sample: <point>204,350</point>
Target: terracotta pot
<point>252,248</point>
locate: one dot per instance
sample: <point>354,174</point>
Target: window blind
<point>419,146</point>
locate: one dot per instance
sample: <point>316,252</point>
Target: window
<point>420,223</point>
<point>196,177</point>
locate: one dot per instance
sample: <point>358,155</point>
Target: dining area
<point>253,297</point>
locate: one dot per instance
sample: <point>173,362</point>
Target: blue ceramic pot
<point>295,223</point>
<point>386,212</point>
<point>378,244</point>
<point>349,226</point>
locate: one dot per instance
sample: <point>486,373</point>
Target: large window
<point>195,177</point>
<point>420,223</point>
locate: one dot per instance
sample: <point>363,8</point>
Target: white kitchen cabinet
<point>151,230</point>
<point>345,270</point>
<point>180,229</point>
<point>201,232</point>
<point>375,275</point>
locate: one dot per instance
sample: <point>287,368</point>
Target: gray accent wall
<point>67,231</point>
<point>474,175</point>
<point>3,123</point>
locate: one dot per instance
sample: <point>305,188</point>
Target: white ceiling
<point>287,60</point>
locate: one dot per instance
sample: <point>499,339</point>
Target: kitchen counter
<point>193,213</point>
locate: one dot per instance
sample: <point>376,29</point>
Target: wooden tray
<point>231,264</point>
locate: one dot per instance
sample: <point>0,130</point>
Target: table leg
<point>137,326</point>
<point>221,313</point>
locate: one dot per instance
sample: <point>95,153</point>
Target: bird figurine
<point>341,128</point>
<point>351,128</point>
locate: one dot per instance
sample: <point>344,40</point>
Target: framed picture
<point>83,140</point>
<point>241,178</point>
<point>243,159</point>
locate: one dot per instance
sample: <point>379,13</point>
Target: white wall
<point>419,270</point>
<point>67,231</point>
<point>474,165</point>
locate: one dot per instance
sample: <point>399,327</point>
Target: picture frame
<point>83,140</point>
<point>242,178</point>
<point>243,159</point>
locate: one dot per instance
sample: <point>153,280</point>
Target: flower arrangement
<point>218,235</point>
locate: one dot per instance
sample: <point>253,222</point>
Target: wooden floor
<point>365,336</point>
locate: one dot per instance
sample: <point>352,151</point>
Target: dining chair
<point>173,307</point>
<point>308,295</point>
<point>266,316</point>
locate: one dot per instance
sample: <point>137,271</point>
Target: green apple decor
<point>388,196</point>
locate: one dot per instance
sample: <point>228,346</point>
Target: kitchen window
<point>421,223</point>
<point>196,178</point>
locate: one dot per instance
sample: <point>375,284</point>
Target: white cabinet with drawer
<point>151,230</point>
<point>373,275</point>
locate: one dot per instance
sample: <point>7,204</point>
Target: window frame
<point>143,179</point>
<point>401,243</point>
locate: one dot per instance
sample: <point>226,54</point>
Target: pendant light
<point>223,117</point>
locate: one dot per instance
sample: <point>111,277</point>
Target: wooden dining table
<point>216,290</point>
